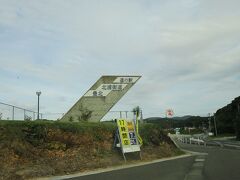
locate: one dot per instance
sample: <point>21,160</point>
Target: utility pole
<point>238,121</point>
<point>209,122</point>
<point>38,93</point>
<point>13,112</point>
<point>215,124</point>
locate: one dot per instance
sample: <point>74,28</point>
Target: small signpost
<point>127,137</point>
<point>169,113</point>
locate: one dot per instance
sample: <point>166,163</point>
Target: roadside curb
<point>231,146</point>
<point>98,171</point>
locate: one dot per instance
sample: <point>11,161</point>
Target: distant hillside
<point>179,122</point>
<point>174,118</point>
<point>228,118</point>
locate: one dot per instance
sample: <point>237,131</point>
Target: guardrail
<point>201,139</point>
<point>192,139</point>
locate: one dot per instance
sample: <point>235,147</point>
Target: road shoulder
<point>113,168</point>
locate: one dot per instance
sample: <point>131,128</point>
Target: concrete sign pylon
<point>100,98</point>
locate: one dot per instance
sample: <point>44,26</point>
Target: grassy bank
<point>45,148</point>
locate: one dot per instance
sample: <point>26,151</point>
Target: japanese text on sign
<point>123,130</point>
<point>128,136</point>
<point>105,89</point>
<point>128,80</point>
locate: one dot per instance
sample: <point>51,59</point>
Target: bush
<point>152,134</point>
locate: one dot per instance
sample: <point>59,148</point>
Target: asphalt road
<point>215,164</point>
<point>220,163</point>
<point>168,170</point>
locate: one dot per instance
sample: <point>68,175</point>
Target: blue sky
<point>187,51</point>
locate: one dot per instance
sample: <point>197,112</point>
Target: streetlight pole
<point>215,124</point>
<point>38,93</point>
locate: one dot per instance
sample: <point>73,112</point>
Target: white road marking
<point>198,164</point>
<point>199,160</point>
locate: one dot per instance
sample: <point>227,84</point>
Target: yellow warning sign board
<point>128,136</point>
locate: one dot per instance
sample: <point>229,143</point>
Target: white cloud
<point>187,51</point>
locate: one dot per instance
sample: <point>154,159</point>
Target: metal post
<point>209,122</point>
<point>13,113</point>
<point>215,124</point>
<point>24,114</point>
<point>38,93</point>
<point>238,120</point>
<point>38,108</point>
<point>126,114</point>
<point>121,114</point>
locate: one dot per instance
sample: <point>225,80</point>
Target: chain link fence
<point>11,112</point>
<point>52,116</point>
<point>111,115</point>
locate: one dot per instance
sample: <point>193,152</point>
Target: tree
<point>27,118</point>
<point>237,126</point>
<point>136,111</point>
<point>70,119</point>
<point>228,118</point>
<point>85,113</point>
<point>237,121</point>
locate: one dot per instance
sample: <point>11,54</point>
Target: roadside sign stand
<point>127,137</point>
<point>138,140</point>
<point>140,154</point>
<point>116,138</point>
<point>117,141</point>
<point>124,157</point>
